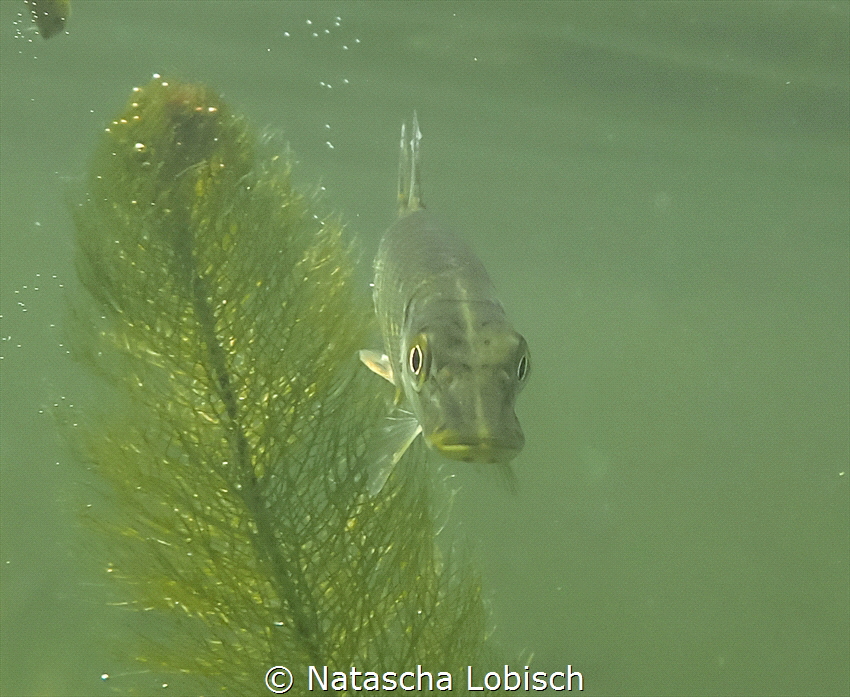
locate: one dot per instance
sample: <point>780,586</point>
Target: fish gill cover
<point>223,310</point>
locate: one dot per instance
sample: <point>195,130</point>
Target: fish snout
<point>485,444</point>
<point>476,421</point>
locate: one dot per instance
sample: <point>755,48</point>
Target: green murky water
<point>660,192</point>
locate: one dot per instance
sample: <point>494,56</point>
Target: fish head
<point>462,387</point>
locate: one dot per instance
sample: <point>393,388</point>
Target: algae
<point>219,308</point>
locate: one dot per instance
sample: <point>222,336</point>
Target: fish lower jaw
<point>485,452</point>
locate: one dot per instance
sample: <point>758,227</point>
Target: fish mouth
<point>487,449</point>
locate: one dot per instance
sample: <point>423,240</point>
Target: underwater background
<point>660,193</point>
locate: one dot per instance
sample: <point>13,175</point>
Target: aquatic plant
<point>220,311</point>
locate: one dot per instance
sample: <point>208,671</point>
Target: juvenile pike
<point>456,361</point>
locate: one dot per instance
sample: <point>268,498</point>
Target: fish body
<point>456,361</point>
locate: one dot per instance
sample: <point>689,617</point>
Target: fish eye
<point>415,359</point>
<point>522,367</point>
<point>418,360</point>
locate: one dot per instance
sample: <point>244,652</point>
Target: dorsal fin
<point>409,193</point>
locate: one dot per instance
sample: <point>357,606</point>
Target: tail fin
<point>409,193</point>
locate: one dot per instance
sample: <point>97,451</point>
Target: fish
<point>456,361</point>
<point>49,15</point>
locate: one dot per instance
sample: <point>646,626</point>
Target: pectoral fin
<point>388,446</point>
<point>378,363</point>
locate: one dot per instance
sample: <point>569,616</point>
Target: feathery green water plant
<point>220,310</point>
